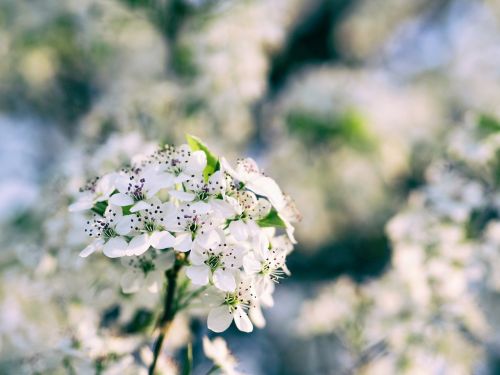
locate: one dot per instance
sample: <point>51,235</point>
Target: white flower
<point>98,190</point>
<point>138,187</point>
<point>219,353</point>
<point>193,223</point>
<point>106,237</point>
<point>224,222</point>
<point>147,228</point>
<point>266,265</point>
<point>180,162</point>
<point>219,263</point>
<point>248,173</point>
<point>146,270</point>
<point>248,208</point>
<point>232,306</point>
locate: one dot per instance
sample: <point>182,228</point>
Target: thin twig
<point>168,314</point>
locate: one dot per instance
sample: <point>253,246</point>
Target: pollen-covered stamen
<point>232,300</point>
<point>136,189</point>
<point>100,227</point>
<point>193,223</point>
<point>90,186</point>
<point>272,265</point>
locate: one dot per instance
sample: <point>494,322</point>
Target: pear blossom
<point>233,306</point>
<point>98,190</point>
<point>180,162</point>
<point>138,187</point>
<point>105,234</point>
<point>146,270</point>
<point>184,208</point>
<point>219,353</point>
<point>147,227</point>
<point>248,208</point>
<point>193,223</point>
<point>219,263</point>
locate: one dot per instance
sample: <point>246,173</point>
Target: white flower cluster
<point>184,206</point>
<point>435,310</point>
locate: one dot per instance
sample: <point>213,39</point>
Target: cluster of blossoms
<point>435,308</point>
<point>231,229</point>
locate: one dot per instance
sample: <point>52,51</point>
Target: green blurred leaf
<point>212,160</point>
<point>271,220</point>
<point>488,124</point>
<point>348,127</point>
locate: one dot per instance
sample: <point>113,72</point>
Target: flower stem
<point>168,315</point>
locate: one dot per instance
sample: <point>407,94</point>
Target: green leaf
<point>272,220</point>
<point>100,207</point>
<point>126,209</point>
<point>212,160</point>
<point>488,124</point>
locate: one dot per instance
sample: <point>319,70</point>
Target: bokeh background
<point>377,116</point>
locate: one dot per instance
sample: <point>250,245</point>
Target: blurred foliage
<point>348,128</point>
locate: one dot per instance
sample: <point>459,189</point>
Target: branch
<point>169,312</point>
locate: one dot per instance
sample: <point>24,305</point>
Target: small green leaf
<point>212,160</point>
<point>100,207</point>
<point>126,209</point>
<point>488,124</point>
<point>272,220</point>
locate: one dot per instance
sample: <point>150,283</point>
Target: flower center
<point>232,300</point>
<point>109,232</point>
<point>213,261</point>
<point>146,265</point>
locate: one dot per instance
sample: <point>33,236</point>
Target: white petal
<point>165,261</point>
<point>242,321</point>
<point>141,205</point>
<point>162,240</point>
<point>106,184</point>
<point>257,317</point>
<point>156,182</point>
<point>198,274</point>
<point>208,239</point>
<point>85,202</point>
<point>121,183</point>
<point>120,199</point>
<point>93,247</point>
<point>239,230</point>
<point>125,224</point>
<point>183,242</point>
<point>154,281</point>
<point>224,280</point>
<point>225,166</point>
<point>267,187</point>
<point>223,208</point>
<point>219,319</point>
<point>183,196</point>
<point>201,208</point>
<point>251,265</point>
<point>115,247</point>
<point>138,245</point>
<point>132,281</point>
<point>197,257</point>
<point>197,161</point>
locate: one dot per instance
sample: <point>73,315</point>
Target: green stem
<point>213,370</point>
<point>169,312</point>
